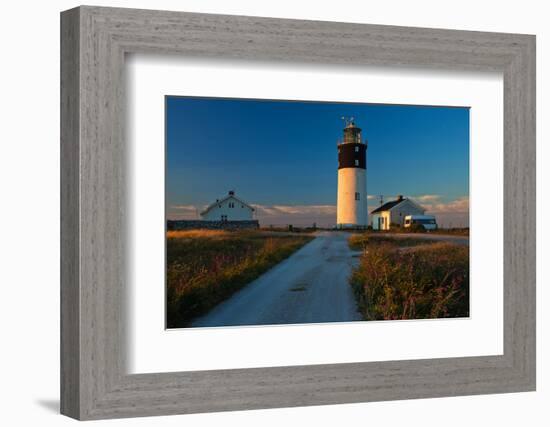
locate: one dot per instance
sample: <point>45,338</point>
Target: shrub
<point>363,240</point>
<point>428,282</point>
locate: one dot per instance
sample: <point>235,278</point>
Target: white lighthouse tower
<point>351,209</point>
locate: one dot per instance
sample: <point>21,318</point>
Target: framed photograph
<point>262,213</point>
<point>313,246</point>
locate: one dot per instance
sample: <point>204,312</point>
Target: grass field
<point>396,229</point>
<point>363,241</point>
<point>408,278</point>
<point>453,231</point>
<point>205,267</point>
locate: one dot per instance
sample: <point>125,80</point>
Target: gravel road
<point>311,286</point>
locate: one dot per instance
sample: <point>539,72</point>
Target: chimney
<point>400,197</point>
<point>231,193</point>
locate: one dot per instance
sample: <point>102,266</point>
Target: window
<point>357,196</point>
<point>356,162</point>
<point>231,204</point>
<point>357,149</point>
<point>224,218</point>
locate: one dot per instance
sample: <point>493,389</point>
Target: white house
<point>394,212</point>
<point>230,208</point>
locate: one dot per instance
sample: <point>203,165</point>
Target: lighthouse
<point>351,207</point>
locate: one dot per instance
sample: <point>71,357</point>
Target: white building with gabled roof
<point>394,212</point>
<point>230,208</point>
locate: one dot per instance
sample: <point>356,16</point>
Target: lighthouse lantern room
<point>351,207</point>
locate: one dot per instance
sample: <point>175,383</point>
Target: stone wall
<point>212,225</point>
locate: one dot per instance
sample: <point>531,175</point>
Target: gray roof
<point>229,196</point>
<point>390,205</point>
<point>387,206</point>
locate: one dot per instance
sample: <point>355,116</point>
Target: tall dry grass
<point>431,281</point>
<point>205,267</point>
<point>199,233</point>
<point>362,241</point>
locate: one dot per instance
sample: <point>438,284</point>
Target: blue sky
<point>281,156</point>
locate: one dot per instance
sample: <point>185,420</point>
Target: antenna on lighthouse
<point>348,120</point>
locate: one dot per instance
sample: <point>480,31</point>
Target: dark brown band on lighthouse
<point>352,156</point>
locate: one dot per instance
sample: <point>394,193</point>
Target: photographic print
<point>296,212</point>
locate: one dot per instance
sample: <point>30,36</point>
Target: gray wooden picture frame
<point>94,41</point>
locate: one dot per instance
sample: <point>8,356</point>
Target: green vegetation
<point>418,228</point>
<point>366,240</point>
<point>456,231</point>
<point>396,279</point>
<point>290,229</point>
<point>205,267</point>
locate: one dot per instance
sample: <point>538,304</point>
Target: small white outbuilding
<point>230,208</point>
<point>394,212</point>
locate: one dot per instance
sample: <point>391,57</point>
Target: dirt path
<point>311,286</point>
